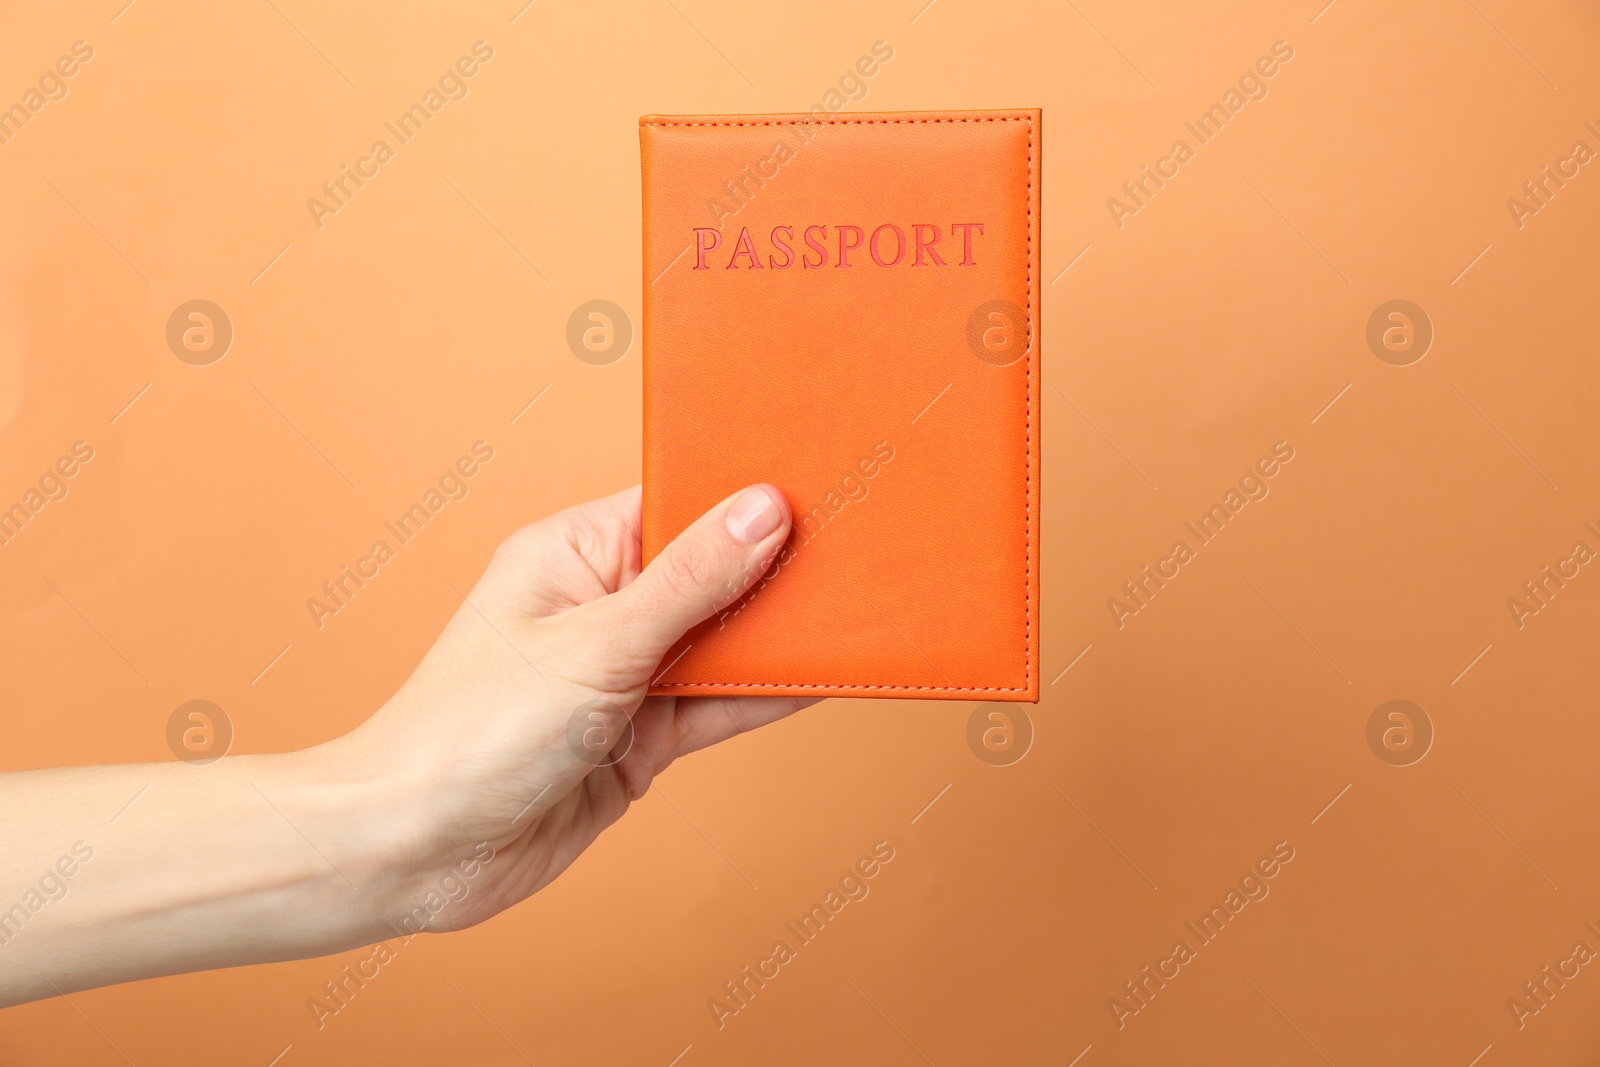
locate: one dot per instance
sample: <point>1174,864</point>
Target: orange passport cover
<point>847,307</point>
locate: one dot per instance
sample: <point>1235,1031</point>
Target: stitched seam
<point>874,122</point>
<point>817,685</point>
<point>1027,474</point>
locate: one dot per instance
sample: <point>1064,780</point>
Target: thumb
<point>702,571</point>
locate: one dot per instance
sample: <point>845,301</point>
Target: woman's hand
<point>498,761</point>
<point>515,729</point>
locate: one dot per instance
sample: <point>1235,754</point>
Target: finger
<point>707,721</point>
<point>605,534</point>
<point>576,555</point>
<point>619,511</point>
<point>701,571</point>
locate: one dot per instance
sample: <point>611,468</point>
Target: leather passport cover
<point>847,307</point>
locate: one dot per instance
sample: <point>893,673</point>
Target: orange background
<point>1223,718</point>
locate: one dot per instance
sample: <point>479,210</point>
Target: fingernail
<point>754,515</point>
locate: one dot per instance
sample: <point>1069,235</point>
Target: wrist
<point>367,820</point>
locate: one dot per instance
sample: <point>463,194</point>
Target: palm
<point>563,563</point>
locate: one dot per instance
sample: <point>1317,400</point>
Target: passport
<point>847,307</point>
